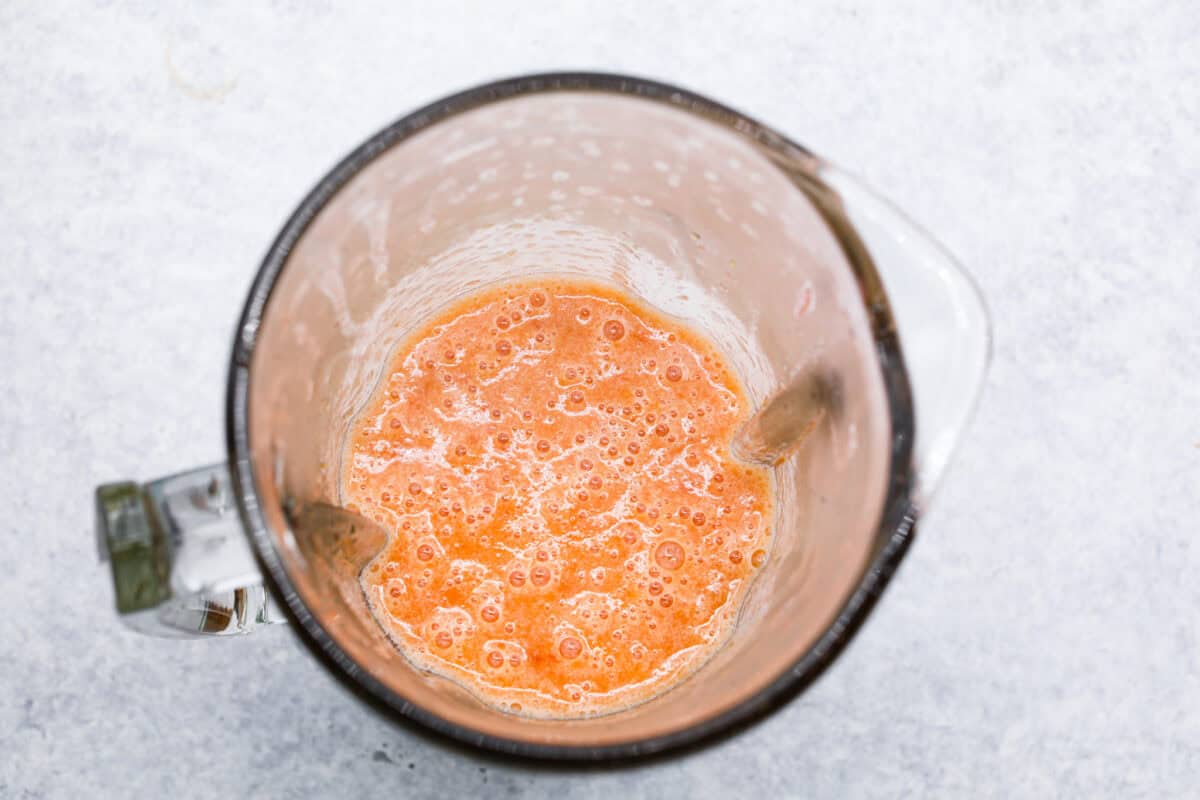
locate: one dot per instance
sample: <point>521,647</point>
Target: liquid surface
<point>570,534</point>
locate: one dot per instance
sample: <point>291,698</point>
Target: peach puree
<point>570,534</point>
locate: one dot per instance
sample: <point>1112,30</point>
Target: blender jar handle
<point>940,318</point>
<point>181,562</point>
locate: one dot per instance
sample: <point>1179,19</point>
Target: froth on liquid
<point>570,534</point>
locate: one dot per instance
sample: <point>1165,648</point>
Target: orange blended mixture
<point>570,534</point>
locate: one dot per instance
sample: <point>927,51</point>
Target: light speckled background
<point>1042,638</point>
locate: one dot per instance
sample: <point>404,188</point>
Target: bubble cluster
<point>552,460</point>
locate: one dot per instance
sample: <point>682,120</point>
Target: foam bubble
<point>570,647</point>
<point>614,330</point>
<point>669,555</point>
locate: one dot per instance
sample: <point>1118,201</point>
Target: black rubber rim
<point>897,526</point>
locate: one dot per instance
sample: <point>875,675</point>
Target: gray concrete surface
<point>1040,641</point>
